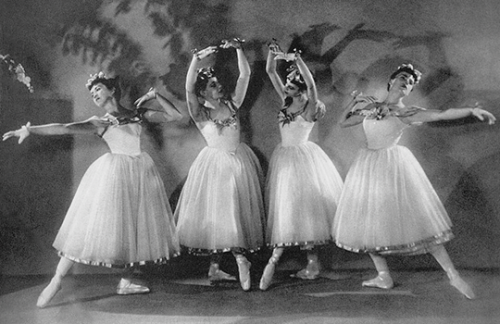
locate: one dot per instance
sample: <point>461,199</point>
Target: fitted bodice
<point>295,132</point>
<point>124,139</point>
<point>224,138</point>
<point>383,133</point>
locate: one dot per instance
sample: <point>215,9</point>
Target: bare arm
<point>169,113</point>
<point>271,71</point>
<point>423,116</point>
<point>318,108</point>
<point>194,106</point>
<point>348,118</point>
<point>90,126</point>
<point>244,78</point>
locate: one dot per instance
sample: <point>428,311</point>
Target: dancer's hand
<point>151,94</point>
<point>359,97</point>
<point>22,133</point>
<point>482,114</point>
<point>200,55</point>
<point>320,110</point>
<point>235,43</point>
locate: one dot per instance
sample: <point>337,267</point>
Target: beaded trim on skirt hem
<point>421,247</point>
<point>118,265</point>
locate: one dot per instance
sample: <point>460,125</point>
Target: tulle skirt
<point>302,191</point>
<point>388,206</point>
<point>120,215</point>
<point>220,208</point>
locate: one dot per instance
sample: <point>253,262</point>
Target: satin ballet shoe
<point>244,272</point>
<point>126,287</point>
<point>215,274</point>
<point>382,281</point>
<point>464,288</point>
<point>306,274</point>
<point>267,276</point>
<point>48,293</point>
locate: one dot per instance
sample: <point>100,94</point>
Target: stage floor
<point>422,296</point>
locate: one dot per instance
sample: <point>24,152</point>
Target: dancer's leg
<point>244,270</point>
<point>267,275</point>
<point>441,255</point>
<point>54,286</point>
<point>383,280</point>
<point>312,269</point>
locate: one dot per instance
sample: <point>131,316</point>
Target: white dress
<point>388,205</point>
<point>302,189</point>
<point>120,215</point>
<point>221,208</point>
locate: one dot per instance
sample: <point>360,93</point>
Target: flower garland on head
<point>98,77</point>
<point>417,75</point>
<point>18,71</point>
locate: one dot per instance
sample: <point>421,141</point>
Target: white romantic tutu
<point>302,192</point>
<point>120,215</point>
<point>221,207</point>
<point>388,206</point>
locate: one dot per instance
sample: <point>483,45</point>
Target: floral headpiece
<point>294,74</point>
<point>95,78</point>
<point>417,75</point>
<point>206,73</point>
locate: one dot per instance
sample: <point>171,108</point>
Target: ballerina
<point>303,185</point>
<point>220,208</point>
<point>120,216</point>
<point>388,205</point>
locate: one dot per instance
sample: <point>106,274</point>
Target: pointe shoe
<point>464,288</point>
<point>267,276</point>
<point>306,274</point>
<point>48,293</point>
<point>311,272</point>
<point>126,287</point>
<point>382,281</point>
<point>244,272</point>
<point>215,274</point>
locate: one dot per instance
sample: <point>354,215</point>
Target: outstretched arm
<point>244,78</point>
<point>431,115</point>
<point>89,126</point>
<point>271,70</point>
<point>169,113</point>
<point>193,104</point>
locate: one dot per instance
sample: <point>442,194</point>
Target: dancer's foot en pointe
<point>382,281</point>
<point>267,275</point>
<point>126,287</point>
<point>49,292</point>
<point>216,274</point>
<point>464,288</point>
<point>244,272</point>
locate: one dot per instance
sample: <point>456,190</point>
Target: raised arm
<point>431,115</point>
<point>194,106</point>
<point>92,125</point>
<point>244,78</point>
<point>271,70</point>
<point>312,91</point>
<point>169,113</point>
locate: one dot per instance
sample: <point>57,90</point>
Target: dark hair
<point>204,74</point>
<point>408,68</point>
<point>110,83</point>
<point>296,78</point>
